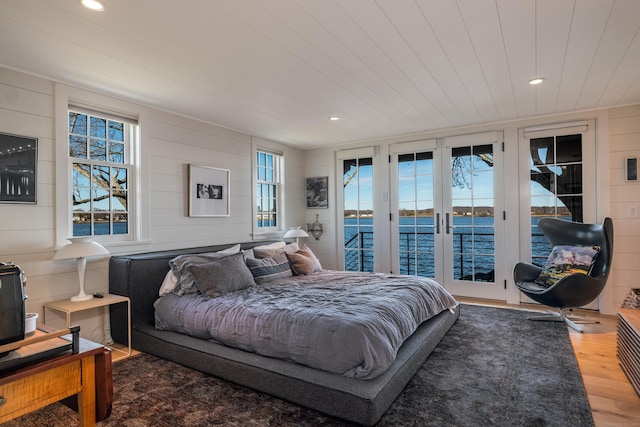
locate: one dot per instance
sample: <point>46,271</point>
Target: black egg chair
<point>576,289</point>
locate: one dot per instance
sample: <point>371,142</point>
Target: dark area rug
<point>493,368</point>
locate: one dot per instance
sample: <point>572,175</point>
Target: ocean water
<point>100,228</point>
<point>473,246</point>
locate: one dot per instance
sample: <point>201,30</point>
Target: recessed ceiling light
<point>334,118</point>
<point>536,81</point>
<point>93,5</point>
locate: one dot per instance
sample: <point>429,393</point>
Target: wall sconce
<point>315,229</point>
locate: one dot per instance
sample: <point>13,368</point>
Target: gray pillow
<point>185,283</point>
<point>267,269</point>
<point>222,276</point>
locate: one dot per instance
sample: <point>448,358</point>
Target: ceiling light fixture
<point>93,5</point>
<point>334,118</point>
<point>536,81</point>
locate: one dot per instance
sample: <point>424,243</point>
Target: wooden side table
<point>69,307</point>
<point>85,374</point>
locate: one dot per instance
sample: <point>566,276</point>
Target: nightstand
<point>67,306</point>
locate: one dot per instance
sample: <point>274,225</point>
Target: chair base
<point>552,316</point>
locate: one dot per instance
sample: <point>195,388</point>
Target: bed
<point>361,396</point>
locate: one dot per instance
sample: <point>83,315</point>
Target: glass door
<point>559,174</point>
<point>473,215</point>
<point>357,199</point>
<point>448,213</point>
<point>416,209</point>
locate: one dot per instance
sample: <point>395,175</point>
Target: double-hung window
<point>268,173</point>
<point>101,168</point>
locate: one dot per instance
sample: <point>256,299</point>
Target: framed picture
<point>318,192</point>
<point>208,191</point>
<point>18,168</point>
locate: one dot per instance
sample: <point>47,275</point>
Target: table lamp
<point>80,248</point>
<point>296,232</point>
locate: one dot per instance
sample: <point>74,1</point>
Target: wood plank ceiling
<point>279,69</point>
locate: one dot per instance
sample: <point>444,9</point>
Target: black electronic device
<point>12,307</point>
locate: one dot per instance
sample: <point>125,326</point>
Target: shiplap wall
<point>624,141</point>
<point>169,144</point>
<point>320,162</point>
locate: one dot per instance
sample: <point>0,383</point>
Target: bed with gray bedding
<point>340,342</point>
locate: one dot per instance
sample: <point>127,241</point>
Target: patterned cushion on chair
<point>566,260</point>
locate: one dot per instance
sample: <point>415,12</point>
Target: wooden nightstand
<point>67,306</point>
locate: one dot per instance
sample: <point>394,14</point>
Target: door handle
<point>449,227</point>
<point>438,223</point>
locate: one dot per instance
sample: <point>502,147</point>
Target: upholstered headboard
<point>139,277</point>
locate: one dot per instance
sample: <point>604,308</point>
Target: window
<point>556,185</point>
<point>268,191</point>
<point>101,173</point>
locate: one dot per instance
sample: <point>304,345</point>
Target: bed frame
<point>139,277</point>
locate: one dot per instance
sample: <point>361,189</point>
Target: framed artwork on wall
<point>18,169</point>
<point>208,191</point>
<point>317,189</point>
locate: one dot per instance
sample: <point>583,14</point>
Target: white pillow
<point>168,284</point>
<point>232,250</point>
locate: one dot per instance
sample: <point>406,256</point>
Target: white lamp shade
<point>80,247</point>
<point>295,232</point>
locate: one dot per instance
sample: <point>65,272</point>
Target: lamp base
<point>79,298</point>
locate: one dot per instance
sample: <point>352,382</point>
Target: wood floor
<point>611,397</point>
<point>613,400</point>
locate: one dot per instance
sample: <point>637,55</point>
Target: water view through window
<point>469,215</point>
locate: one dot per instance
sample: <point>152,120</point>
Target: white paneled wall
<point>320,162</point>
<point>169,144</point>
<point>624,141</point>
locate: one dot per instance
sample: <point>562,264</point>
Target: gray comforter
<point>348,323</point>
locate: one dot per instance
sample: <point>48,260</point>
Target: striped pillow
<point>267,269</point>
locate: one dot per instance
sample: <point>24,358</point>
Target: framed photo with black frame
<point>18,169</point>
<point>317,189</point>
<point>208,191</point>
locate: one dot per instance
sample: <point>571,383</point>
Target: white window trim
<point>66,96</point>
<point>258,144</point>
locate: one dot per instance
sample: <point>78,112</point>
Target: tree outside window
<point>100,174</point>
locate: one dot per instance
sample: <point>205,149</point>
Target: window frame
<point>129,138</point>
<point>590,182</point>
<point>279,174</point>
<point>74,99</point>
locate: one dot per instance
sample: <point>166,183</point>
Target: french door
<point>447,213</point>
<point>357,200</point>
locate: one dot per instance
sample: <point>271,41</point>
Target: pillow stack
<point>179,280</point>
<point>217,273</point>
